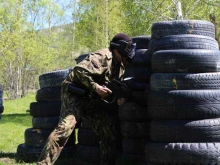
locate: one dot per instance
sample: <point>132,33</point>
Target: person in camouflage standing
<point>91,74</point>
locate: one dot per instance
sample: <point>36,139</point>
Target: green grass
<point>15,120</point>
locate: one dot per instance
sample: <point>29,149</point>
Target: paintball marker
<point>120,89</point>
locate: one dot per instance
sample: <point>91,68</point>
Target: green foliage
<point>34,38</point>
<point>24,52</point>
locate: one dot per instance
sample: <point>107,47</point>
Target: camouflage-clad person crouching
<point>90,74</point>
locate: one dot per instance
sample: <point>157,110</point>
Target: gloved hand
<point>103,91</point>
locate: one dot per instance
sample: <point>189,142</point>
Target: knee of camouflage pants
<point>67,124</point>
<point>57,140</point>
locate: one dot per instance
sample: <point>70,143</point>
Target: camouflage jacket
<point>98,67</point>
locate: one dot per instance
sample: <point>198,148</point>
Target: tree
<point>24,51</point>
<point>35,36</point>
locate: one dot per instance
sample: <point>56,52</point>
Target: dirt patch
<point>7,160</point>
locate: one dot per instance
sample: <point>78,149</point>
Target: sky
<point>66,6</point>
<point>67,17</point>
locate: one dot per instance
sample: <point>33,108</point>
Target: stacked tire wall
<point>184,99</point>
<point>45,112</point>
<point>88,144</point>
<point>133,114</point>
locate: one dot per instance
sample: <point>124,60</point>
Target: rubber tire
<point>1,91</point>
<point>45,109</point>
<point>31,154</point>
<point>186,61</point>
<point>176,27</point>
<point>37,138</point>
<point>45,122</point>
<point>184,105</point>
<point>184,41</point>
<point>48,122</point>
<point>182,153</point>
<point>141,41</point>
<point>54,78</point>
<point>1,108</point>
<point>48,94</point>
<point>183,81</point>
<point>185,130</point>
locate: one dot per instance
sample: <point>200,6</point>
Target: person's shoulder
<point>105,52</point>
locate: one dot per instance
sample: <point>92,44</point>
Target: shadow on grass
<point>21,119</point>
<point>7,158</point>
<point>11,158</point>
<point>70,158</point>
<point>8,155</point>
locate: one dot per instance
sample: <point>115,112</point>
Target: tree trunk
<point>73,28</point>
<point>178,14</point>
<point>17,93</point>
<point>106,23</point>
<point>213,20</point>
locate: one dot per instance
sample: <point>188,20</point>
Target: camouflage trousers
<point>72,109</point>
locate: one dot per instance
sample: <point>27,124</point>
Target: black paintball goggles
<point>126,49</point>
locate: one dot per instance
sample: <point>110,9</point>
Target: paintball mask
<point>126,49</point>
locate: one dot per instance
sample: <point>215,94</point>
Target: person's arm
<point>93,65</point>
